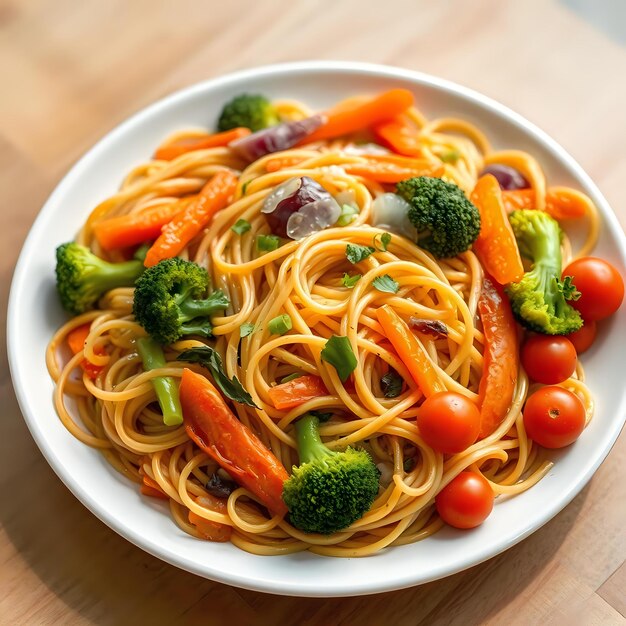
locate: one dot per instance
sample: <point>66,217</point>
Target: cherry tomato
<point>448,422</point>
<point>600,285</point>
<point>554,417</point>
<point>549,359</point>
<point>584,338</point>
<point>466,502</point>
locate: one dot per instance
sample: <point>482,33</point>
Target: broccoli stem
<point>545,252</point>
<point>310,445</point>
<point>190,308</point>
<point>112,275</point>
<point>165,387</point>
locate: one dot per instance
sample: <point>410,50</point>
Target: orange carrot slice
<point>410,351</point>
<point>562,203</point>
<point>400,135</point>
<point>345,119</point>
<point>76,341</point>
<point>213,531</point>
<point>217,140</point>
<point>495,246</point>
<point>213,197</point>
<point>135,228</point>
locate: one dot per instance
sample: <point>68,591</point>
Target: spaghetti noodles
<point>115,411</point>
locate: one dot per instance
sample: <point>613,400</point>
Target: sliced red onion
<point>276,138</point>
<point>433,328</point>
<point>312,218</point>
<point>391,212</point>
<point>300,207</point>
<point>508,177</point>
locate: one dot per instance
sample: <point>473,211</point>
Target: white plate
<point>34,314</point>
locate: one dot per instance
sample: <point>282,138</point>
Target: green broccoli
<point>165,387</point>
<point>447,222</point>
<point>329,490</point>
<point>252,111</point>
<point>539,299</point>
<point>82,277</point>
<point>168,301</point>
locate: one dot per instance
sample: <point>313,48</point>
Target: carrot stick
<point>400,135</point>
<point>128,230</point>
<point>410,351</point>
<point>495,246</point>
<point>501,357</point>
<point>518,199</point>
<point>150,487</point>
<point>562,203</point>
<point>146,490</point>
<point>213,531</point>
<point>297,392</point>
<point>214,428</point>
<point>213,197</point>
<point>383,170</point>
<point>76,339</point>
<point>171,151</point>
<point>343,119</point>
<point>148,482</point>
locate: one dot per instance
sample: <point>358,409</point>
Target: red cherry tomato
<point>554,417</point>
<point>600,285</point>
<point>466,502</point>
<point>448,422</point>
<point>584,338</point>
<point>549,359</point>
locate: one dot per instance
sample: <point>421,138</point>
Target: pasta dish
<point>333,331</point>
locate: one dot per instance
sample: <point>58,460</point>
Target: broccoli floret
<point>329,490</point>
<point>252,111</point>
<point>539,299</point>
<point>447,222</point>
<point>168,301</point>
<point>82,277</point>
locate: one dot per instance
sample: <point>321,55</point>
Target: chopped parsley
<point>338,352</point>
<point>356,253</point>
<point>350,281</point>
<point>267,243</point>
<point>246,329</point>
<point>241,226</point>
<point>386,283</point>
<point>381,241</point>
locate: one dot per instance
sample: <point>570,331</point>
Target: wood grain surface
<point>71,70</point>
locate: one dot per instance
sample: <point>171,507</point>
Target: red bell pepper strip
<point>501,357</point>
<point>76,341</point>
<point>216,431</point>
<point>297,392</point>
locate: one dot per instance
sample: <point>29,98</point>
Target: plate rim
<point>609,220</point>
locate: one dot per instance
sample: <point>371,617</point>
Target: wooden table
<point>73,70</point>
